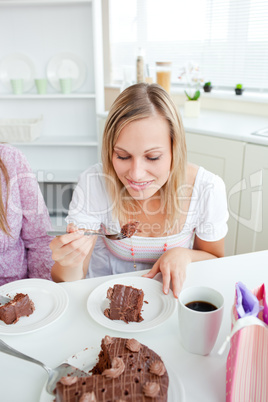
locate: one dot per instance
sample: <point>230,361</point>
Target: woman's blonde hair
<point>3,208</point>
<point>137,102</point>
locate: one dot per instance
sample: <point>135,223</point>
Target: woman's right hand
<point>69,252</point>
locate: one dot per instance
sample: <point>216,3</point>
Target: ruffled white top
<point>91,204</point>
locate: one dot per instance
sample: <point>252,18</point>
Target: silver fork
<point>103,231</point>
<point>54,375</point>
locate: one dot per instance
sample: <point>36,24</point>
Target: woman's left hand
<point>172,264</point>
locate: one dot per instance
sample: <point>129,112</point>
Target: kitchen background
<point>86,50</point>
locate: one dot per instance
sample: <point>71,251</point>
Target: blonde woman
<point>144,177</point>
<point>24,220</point>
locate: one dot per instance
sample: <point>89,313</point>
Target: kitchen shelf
<point>43,2</point>
<point>48,96</point>
<point>57,176</point>
<point>69,142</point>
<point>59,141</point>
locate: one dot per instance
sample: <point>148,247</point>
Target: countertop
<point>233,126</point>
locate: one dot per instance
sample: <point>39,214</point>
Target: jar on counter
<point>163,74</point>
<point>140,66</point>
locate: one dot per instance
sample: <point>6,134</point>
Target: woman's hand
<point>172,264</point>
<point>69,252</point>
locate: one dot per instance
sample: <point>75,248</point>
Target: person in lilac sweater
<point>24,221</point>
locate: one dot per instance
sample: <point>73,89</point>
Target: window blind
<point>227,39</point>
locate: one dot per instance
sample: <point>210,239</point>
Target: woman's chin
<point>141,195</point>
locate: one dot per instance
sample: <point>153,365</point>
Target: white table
<point>203,377</point>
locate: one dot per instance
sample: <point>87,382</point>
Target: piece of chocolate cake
<point>126,303</point>
<point>129,229</point>
<point>20,306</point>
<point>126,371</point>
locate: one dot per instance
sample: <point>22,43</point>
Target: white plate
<point>16,66</point>
<point>66,65</point>
<point>50,301</point>
<point>159,308</point>
<point>86,360</point>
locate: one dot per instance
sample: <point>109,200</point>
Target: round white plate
<point>17,66</point>
<point>50,301</point>
<point>158,309</point>
<point>86,360</point>
<point>66,65</point>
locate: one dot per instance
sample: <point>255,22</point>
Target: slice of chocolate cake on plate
<point>126,303</point>
<point>18,307</point>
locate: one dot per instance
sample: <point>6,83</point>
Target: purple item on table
<point>265,306</point>
<point>247,303</point>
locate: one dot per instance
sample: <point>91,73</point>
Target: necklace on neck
<point>132,248</point>
<point>132,251</point>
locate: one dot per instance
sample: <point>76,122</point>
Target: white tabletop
<point>203,377</point>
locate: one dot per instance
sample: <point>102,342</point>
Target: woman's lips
<point>138,186</point>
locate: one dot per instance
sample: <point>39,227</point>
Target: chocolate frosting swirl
<point>151,389</point>
<point>88,397</point>
<point>107,340</point>
<point>118,367</point>
<point>68,380</point>
<point>133,345</point>
<point>157,367</point>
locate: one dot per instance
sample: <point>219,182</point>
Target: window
<point>228,39</point>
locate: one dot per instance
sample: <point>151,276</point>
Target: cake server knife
<point>54,375</point>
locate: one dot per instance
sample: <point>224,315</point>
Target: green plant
<point>239,86</point>
<point>194,97</point>
<point>207,84</point>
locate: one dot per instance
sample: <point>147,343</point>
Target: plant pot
<point>239,91</point>
<point>207,88</point>
<point>192,108</point>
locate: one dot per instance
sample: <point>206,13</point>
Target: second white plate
<point>66,65</point>
<point>17,65</point>
<point>50,301</point>
<point>86,360</point>
<point>158,309</point>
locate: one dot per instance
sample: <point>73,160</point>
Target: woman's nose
<point>136,170</point>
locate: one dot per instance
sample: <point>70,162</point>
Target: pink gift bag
<point>247,362</point>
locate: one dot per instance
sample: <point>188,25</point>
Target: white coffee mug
<point>199,330</point>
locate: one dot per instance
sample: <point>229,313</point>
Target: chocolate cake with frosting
<point>129,229</point>
<point>126,303</point>
<point>126,371</point>
<point>20,306</point>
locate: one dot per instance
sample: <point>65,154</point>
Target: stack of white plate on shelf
<point>62,66</point>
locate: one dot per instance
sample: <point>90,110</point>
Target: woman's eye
<point>123,158</point>
<point>156,158</point>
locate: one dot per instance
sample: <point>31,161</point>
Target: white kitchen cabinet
<point>224,158</point>
<point>42,29</point>
<point>253,216</point>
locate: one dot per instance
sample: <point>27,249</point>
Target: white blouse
<point>207,218</point>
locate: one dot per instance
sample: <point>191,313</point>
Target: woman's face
<point>142,156</point>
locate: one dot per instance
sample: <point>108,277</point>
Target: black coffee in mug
<point>201,306</point>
